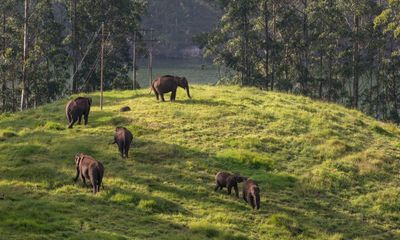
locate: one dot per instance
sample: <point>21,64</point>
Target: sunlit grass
<point>325,172</point>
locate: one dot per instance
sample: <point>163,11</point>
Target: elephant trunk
<point>187,91</point>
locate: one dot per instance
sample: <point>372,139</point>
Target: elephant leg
<point>80,119</point>
<point>173,96</point>
<point>77,174</point>
<point>69,117</point>
<point>236,190</point>
<point>126,151</point>
<point>162,97</point>
<point>251,200</point>
<point>74,120</point>
<point>156,93</point>
<point>229,190</point>
<point>94,186</point>
<point>83,179</point>
<point>86,116</point>
<point>121,150</point>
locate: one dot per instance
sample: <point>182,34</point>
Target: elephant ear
<point>78,158</point>
<point>90,101</point>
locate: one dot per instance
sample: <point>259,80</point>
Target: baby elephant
<point>88,167</point>
<point>123,138</point>
<point>251,193</point>
<point>224,179</point>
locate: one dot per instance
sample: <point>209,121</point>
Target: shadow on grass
<point>205,102</point>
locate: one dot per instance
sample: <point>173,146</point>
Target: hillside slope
<point>325,172</point>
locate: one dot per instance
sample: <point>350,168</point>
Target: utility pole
<point>150,68</point>
<point>25,56</point>
<point>74,45</point>
<point>134,61</point>
<point>102,67</point>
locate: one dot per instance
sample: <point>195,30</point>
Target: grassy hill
<point>325,172</point>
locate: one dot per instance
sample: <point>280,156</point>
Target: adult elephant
<point>167,84</point>
<point>77,108</point>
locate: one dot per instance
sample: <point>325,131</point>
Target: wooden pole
<point>151,58</point>
<point>134,61</point>
<point>102,67</point>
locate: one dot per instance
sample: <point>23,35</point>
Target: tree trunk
<point>24,91</point>
<point>48,99</point>
<point>4,87</point>
<point>306,48</point>
<point>266,28</point>
<point>321,76</point>
<point>74,46</point>
<point>273,51</point>
<point>356,61</point>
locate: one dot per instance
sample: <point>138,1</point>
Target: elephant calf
<point>76,108</point>
<point>224,179</point>
<point>251,193</point>
<point>125,109</point>
<point>88,167</point>
<point>168,83</point>
<point>123,138</point>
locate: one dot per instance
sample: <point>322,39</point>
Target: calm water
<point>191,69</point>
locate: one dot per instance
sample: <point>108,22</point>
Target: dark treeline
<point>344,51</point>
<point>176,21</point>
<point>43,42</point>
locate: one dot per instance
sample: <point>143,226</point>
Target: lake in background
<point>191,69</point>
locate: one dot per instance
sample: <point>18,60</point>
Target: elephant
<point>224,179</point>
<point>251,193</point>
<point>76,108</point>
<point>123,138</point>
<point>88,167</point>
<point>125,109</point>
<point>167,84</point>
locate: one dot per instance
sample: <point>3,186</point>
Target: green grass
<point>325,172</point>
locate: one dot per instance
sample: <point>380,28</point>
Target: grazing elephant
<point>224,179</point>
<point>251,193</point>
<point>123,138</point>
<point>76,108</point>
<point>167,84</point>
<point>88,167</point>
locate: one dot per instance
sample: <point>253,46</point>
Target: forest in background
<point>334,50</point>
<point>176,22</point>
<point>344,51</point>
<point>62,39</point>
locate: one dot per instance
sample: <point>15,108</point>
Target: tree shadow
<point>206,102</point>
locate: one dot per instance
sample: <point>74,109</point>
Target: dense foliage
<point>63,41</point>
<point>337,50</point>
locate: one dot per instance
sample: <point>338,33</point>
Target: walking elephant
<point>167,84</point>
<point>76,108</point>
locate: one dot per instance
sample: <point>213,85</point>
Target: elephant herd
<point>89,168</point>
